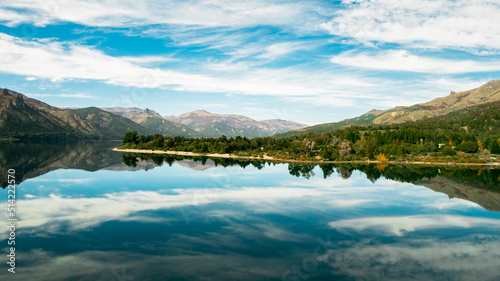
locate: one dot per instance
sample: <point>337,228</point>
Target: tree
<point>381,157</point>
<point>468,146</point>
<point>494,147</point>
<point>448,151</point>
<point>130,137</point>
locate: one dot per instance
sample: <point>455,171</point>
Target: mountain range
<point>23,117</point>
<point>201,123</point>
<point>488,93</point>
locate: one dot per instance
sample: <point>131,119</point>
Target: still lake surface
<point>88,213</point>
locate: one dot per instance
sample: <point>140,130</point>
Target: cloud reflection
<point>400,225</point>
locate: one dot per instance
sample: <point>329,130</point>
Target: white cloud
<point>473,257</point>
<point>459,24</point>
<point>74,181</point>
<point>85,212</point>
<point>114,13</point>
<point>62,61</point>
<point>147,59</point>
<point>398,226</point>
<point>78,95</point>
<point>279,49</point>
<point>402,60</point>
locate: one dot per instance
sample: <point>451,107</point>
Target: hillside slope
<point>168,128</point>
<point>135,114</point>
<point>23,117</point>
<point>19,119</point>
<point>485,94</point>
<point>214,125</point>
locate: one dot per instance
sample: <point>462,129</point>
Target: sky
<point>306,61</point>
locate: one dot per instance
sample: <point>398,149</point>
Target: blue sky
<point>306,61</point>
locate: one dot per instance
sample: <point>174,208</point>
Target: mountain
<point>135,114</point>
<point>214,125</point>
<point>106,125</point>
<point>19,119</point>
<point>23,117</point>
<point>168,128</point>
<point>217,129</point>
<point>486,94</point>
<point>154,121</point>
<point>279,125</point>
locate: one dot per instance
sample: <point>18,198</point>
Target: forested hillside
<point>488,93</point>
<point>458,136</point>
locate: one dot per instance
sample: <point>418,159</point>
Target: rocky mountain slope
<point>232,125</point>
<point>20,119</point>
<point>23,117</point>
<point>170,129</point>
<point>135,114</point>
<point>152,120</point>
<point>201,123</point>
<point>486,94</point>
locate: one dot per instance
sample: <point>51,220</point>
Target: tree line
<point>353,143</point>
<point>456,136</point>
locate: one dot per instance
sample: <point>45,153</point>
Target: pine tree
<point>495,148</point>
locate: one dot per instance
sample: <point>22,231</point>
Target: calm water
<point>87,213</point>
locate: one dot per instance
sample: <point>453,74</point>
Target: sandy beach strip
<point>265,157</point>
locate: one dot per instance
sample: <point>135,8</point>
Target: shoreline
<point>265,157</point>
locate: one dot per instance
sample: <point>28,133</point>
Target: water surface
<point>87,213</point>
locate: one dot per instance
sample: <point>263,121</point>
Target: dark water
<point>87,213</point>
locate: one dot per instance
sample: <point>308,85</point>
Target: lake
<point>88,213</point>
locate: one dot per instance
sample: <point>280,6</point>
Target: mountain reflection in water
<point>477,184</point>
<point>89,213</point>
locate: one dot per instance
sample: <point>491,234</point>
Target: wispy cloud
<point>77,95</point>
<point>139,13</point>
<point>59,61</point>
<point>458,24</point>
<point>279,49</point>
<point>76,181</point>
<point>398,226</point>
<point>299,54</point>
<point>403,60</point>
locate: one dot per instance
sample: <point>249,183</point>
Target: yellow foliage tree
<point>480,144</point>
<point>382,158</point>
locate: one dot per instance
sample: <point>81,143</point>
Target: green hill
<point>364,119</point>
<point>469,135</point>
<point>105,125</point>
<point>455,101</point>
<point>25,118</point>
<point>217,129</point>
<point>168,128</point>
<point>21,120</point>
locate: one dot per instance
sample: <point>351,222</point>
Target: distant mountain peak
<point>231,124</point>
<point>135,114</point>
<point>199,113</point>
<point>374,112</point>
